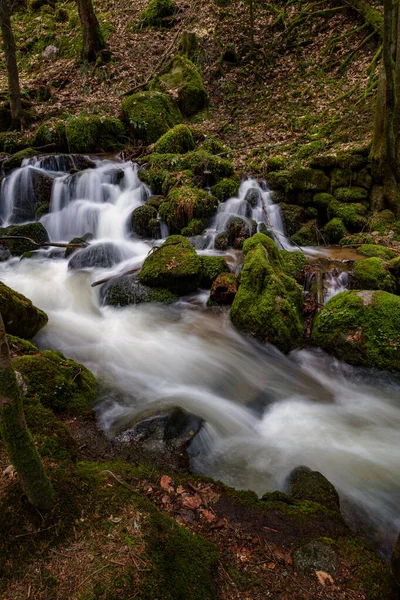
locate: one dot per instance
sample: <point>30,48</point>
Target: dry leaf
<point>271,566</point>
<point>180,489</point>
<point>324,578</point>
<point>192,501</point>
<point>165,483</point>
<point>115,519</point>
<point>207,515</point>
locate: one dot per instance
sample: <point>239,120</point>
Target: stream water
<point>265,413</point>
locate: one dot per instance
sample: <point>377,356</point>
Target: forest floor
<point>308,85</point>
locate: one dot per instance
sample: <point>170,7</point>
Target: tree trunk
<point>17,439</point>
<point>11,61</point>
<point>92,39</point>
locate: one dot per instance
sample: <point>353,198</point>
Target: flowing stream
<point>265,413</point>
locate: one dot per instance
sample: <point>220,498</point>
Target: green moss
<point>177,140</point>
<point>52,438</point>
<point>203,164</point>
<point>20,316</point>
<point>333,231</point>
<point>350,194</point>
<point>352,215</point>
<point>184,204</point>
<point>15,161</point>
<point>182,78</point>
<point>19,346</point>
<point>276,163</point>
<point>174,265</point>
<point>306,235</point>
<point>51,133</point>
<point>194,227</point>
<point>376,250</point>
<point>225,189</point>
<point>293,264</point>
<point>371,274</point>
<point>148,115</point>
<point>383,222</point>
<point>361,328</point>
<point>57,382</point>
<point>292,216</point>
<point>144,222</point>
<point>126,290</point>
<point>155,13</point>
<point>94,134</point>
<point>303,179</point>
<point>268,302</point>
<point>210,268</point>
<point>305,484</point>
<point>340,178</point>
<point>34,231</point>
<point>213,145</point>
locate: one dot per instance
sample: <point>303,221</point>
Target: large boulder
<point>174,266</point>
<point>182,78</point>
<point>21,318</point>
<point>268,303</point>
<point>148,115</point>
<point>57,382</point>
<point>184,204</point>
<point>99,256</point>
<point>372,274</point>
<point>94,134</point>
<point>177,140</point>
<point>361,328</point>
<point>126,290</point>
<point>350,194</point>
<point>33,231</point>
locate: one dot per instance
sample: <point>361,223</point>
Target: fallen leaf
<point>115,519</point>
<point>165,483</point>
<point>180,489</point>
<point>324,578</point>
<point>271,566</point>
<point>192,501</point>
<point>207,515</point>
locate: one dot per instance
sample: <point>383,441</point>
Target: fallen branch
<point>373,17</point>
<point>42,244</point>
<point>130,272</point>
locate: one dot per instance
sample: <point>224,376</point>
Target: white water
<point>265,413</point>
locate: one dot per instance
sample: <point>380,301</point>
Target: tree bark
<point>92,39</point>
<point>11,61</point>
<point>17,439</point>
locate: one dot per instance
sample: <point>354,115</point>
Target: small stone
<point>50,53</point>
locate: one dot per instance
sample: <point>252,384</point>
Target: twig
<point>43,244</point>
<point>100,281</point>
<point>123,483</point>
<point>92,574</point>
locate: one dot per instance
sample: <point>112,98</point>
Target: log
<point>43,244</point>
<point>370,15</point>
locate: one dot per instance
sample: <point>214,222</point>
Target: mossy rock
<point>333,231</point>
<point>382,222</point>
<point>51,133</point>
<point>210,268</point>
<point>34,231</point>
<point>57,382</point>
<point>268,302</point>
<point>126,290</point>
<point>306,235</point>
<point>376,250</point>
<point>155,201</point>
<point>182,78</point>
<point>207,166</point>
<point>225,189</point>
<point>303,179</point>
<point>174,266</point>
<point>363,179</point>
<point>177,140</point>
<point>52,438</point>
<point>19,346</point>
<point>194,227</point>
<point>293,217</point>
<point>149,115</point>
<point>324,161</point>
<point>15,161</point>
<point>276,163</point>
<point>213,145</point>
<point>21,318</point>
<point>350,194</point>
<point>294,264</point>
<point>237,230</point>
<point>78,240</point>
<point>157,13</point>
<point>223,290</point>
<point>144,222</point>
<point>184,204</point>
<point>361,328</point>
<point>352,215</point>
<point>313,557</point>
<point>394,267</point>
<point>305,484</point>
<point>221,242</point>
<point>94,134</point>
<point>371,274</point>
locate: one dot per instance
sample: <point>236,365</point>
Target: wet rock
<point>144,222</point>
<point>221,242</point>
<point>293,217</point>
<point>4,253</point>
<point>100,256</point>
<point>253,196</point>
<point>305,484</point>
<point>126,290</point>
<point>155,201</point>
<point>237,230</point>
<point>224,289</point>
<point>78,240</point>
<point>15,161</point>
<point>21,318</point>
<point>42,187</point>
<point>34,231</point>
<point>315,556</point>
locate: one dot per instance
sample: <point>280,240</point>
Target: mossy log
<point>372,16</point>
<point>16,436</point>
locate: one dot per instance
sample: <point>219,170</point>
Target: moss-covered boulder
<point>382,221</point>
<point>148,115</point>
<point>225,189</point>
<point>155,201</point>
<point>352,215</point>
<point>177,140</point>
<point>21,318</point>
<point>376,250</point>
<point>221,242</point>
<point>208,167</point>
<point>303,179</point>
<point>175,265</point>
<point>321,202</point>
<point>351,194</point>
<point>19,346</point>
<point>293,217</point>
<point>268,302</point>
<point>394,267</point>
<point>305,484</point>
<point>94,134</point>
<point>294,264</point>
<point>210,268</point>
<point>182,78</point>
<point>372,274</point>
<point>144,222</point>
<point>78,240</point>
<point>57,382</point>
<point>194,227</point>
<point>361,328</point>
<point>238,229</point>
<point>15,161</point>
<point>33,231</point>
<point>157,13</point>
<point>307,235</point>
<point>213,145</point>
<point>126,290</point>
<point>224,289</point>
<point>51,133</point>
<point>333,231</point>
<point>184,204</point>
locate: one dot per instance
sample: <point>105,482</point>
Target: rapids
<point>265,413</point>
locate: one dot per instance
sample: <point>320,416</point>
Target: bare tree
<point>92,39</point>
<point>17,439</point>
<point>11,60</point>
